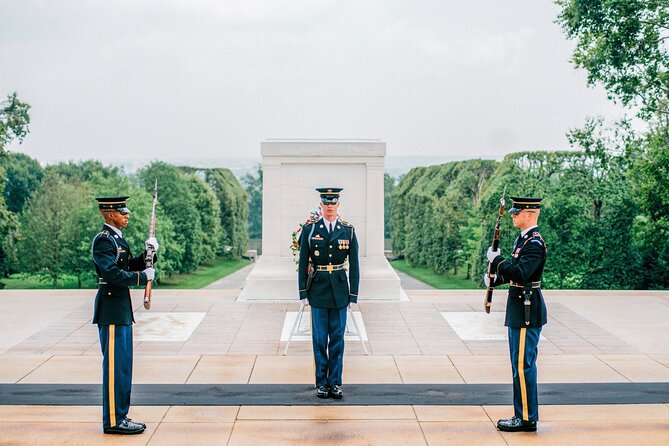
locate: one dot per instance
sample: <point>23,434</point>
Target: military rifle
<point>150,251</point>
<point>495,246</point>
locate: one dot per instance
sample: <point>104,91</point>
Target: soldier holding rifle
<point>525,309</point>
<point>117,269</point>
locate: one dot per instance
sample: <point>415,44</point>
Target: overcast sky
<point>213,78</point>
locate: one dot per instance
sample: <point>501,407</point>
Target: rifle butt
<point>487,304</point>
<point>147,294</point>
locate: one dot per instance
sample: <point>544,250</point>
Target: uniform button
<point>330,255</point>
<point>109,293</point>
<point>330,246</point>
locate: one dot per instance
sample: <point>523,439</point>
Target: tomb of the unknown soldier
<point>334,223</point>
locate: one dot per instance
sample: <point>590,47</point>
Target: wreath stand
<point>295,331</point>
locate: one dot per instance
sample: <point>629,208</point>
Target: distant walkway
<point>411,283</point>
<point>234,281</point>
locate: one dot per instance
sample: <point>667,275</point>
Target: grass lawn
<point>203,276</point>
<point>439,281</point>
<point>35,282</point>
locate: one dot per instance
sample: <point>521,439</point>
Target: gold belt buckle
<point>330,268</point>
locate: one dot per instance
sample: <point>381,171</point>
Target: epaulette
<point>104,232</point>
<point>538,239</point>
<point>345,223</point>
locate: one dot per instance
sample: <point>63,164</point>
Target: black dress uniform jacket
<point>329,289</point>
<point>117,270</point>
<point>523,270</point>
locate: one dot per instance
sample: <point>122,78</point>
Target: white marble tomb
<point>292,170</point>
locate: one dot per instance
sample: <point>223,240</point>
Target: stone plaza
<point>210,369</point>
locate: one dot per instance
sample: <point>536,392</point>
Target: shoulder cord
<point>113,241</point>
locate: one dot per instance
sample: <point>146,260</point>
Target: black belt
<point>527,286</point>
<point>329,268</point>
<point>527,294</point>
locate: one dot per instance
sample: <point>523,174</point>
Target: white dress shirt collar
<point>115,229</point>
<point>334,224</point>
<point>522,234</point>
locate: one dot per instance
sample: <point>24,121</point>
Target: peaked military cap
<point>329,195</point>
<point>520,203</point>
<point>113,204</point>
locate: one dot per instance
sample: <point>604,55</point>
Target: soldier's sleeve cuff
<point>353,298</point>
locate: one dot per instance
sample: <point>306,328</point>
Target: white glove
<point>150,273</point>
<point>492,254</point>
<point>151,242</point>
<point>486,279</point>
<point>305,301</point>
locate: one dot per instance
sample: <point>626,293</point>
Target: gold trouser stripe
<point>138,273</point>
<point>110,373</point>
<point>521,372</point>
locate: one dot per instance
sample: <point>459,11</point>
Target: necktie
<point>330,228</point>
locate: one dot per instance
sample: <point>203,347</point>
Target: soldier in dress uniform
<point>117,269</point>
<point>327,243</point>
<point>525,310</point>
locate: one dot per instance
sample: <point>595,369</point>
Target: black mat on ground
<point>354,394</point>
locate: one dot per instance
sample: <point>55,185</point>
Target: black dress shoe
<point>336,393</point>
<point>137,422</point>
<point>322,392</point>
<point>125,427</point>
<point>516,424</point>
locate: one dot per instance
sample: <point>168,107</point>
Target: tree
<point>253,186</point>
<point>650,177</point>
<point>432,206</point>
<point>24,174</point>
<point>234,211</point>
<point>177,201</point>
<point>14,120</point>
<point>622,44</point>
<point>87,170</point>
<point>389,184</point>
<point>56,227</point>
<point>209,212</point>
<point>8,236</point>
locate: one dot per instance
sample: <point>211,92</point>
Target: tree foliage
<point>622,44</point>
<point>431,206</point>
<point>24,174</point>
<point>178,201</point>
<point>389,184</point>
<point>253,186</point>
<point>14,121</point>
<point>443,216</point>
<point>651,186</point>
<point>195,222</point>
<point>234,207</point>
<point>56,227</point>
<point>209,212</point>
